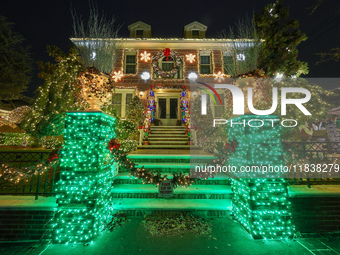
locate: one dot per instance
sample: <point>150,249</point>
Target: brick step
<point>167,136</point>
<point>170,131</point>
<point>185,138</point>
<point>193,159</point>
<point>167,127</point>
<point>173,147</point>
<point>145,191</point>
<point>126,178</point>
<point>168,142</point>
<point>202,213</point>
<point>145,206</point>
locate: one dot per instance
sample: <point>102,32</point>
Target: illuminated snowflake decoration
<point>117,76</point>
<point>145,56</point>
<point>190,58</point>
<point>219,76</point>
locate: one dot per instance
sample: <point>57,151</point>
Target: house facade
<point>167,66</point>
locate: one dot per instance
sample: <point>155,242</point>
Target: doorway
<point>168,110</point>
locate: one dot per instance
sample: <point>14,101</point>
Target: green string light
<point>260,204</point>
<point>86,173</point>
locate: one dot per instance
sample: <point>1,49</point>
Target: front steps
<point>211,197</point>
<point>168,137</point>
<point>169,207</point>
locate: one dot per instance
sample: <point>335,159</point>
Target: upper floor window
<point>205,63</point>
<point>130,62</point>
<point>167,65</point>
<point>139,33</point>
<point>218,108</point>
<point>195,33</point>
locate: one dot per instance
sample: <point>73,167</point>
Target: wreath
<point>168,54</point>
<point>148,176</point>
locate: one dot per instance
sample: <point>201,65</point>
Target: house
<point>167,65</point>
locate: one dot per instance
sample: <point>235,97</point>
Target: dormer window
<point>139,33</point>
<point>195,33</point>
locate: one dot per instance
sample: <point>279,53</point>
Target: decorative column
<point>86,175</point>
<point>260,201</point>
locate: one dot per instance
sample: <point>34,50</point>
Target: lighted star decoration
<point>190,58</point>
<point>145,56</point>
<point>117,76</point>
<point>219,76</point>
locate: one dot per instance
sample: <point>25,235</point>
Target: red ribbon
<point>167,53</point>
<point>114,144</point>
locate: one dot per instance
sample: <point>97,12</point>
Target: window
<point>205,64</point>
<point>139,33</point>
<point>117,103</point>
<point>130,62</point>
<point>195,33</point>
<point>228,62</point>
<point>218,108</point>
<point>168,65</point>
<point>121,100</point>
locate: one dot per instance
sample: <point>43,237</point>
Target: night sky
<point>49,22</point>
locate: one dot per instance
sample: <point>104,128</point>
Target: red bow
<point>231,146</point>
<point>114,144</point>
<point>167,53</point>
<point>53,155</point>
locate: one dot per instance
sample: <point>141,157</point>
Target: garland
<point>147,176</point>
<point>15,174</point>
<point>166,53</point>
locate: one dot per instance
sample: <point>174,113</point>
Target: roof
<point>139,24</point>
<point>175,43</point>
<point>196,25</point>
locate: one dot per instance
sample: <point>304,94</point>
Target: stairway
<point>168,137</point>
<point>211,197</point>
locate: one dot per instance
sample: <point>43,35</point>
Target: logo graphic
<point>238,99</point>
<point>204,97</point>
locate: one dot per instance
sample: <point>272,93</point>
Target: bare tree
<point>95,39</point>
<point>242,52</point>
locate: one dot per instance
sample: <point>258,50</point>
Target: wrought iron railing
<point>314,152</point>
<point>38,184</point>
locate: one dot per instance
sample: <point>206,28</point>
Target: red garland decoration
<point>54,155</point>
<point>231,146</point>
<point>148,176</point>
<point>114,144</point>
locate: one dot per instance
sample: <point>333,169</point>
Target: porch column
<point>259,201</point>
<point>86,175</point>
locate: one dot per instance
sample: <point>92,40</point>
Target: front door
<point>167,109</point>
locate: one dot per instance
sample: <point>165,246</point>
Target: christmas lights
<point>219,76</point>
<point>117,76</point>
<point>190,58</point>
<point>145,56</point>
<point>260,203</point>
<point>86,174</point>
